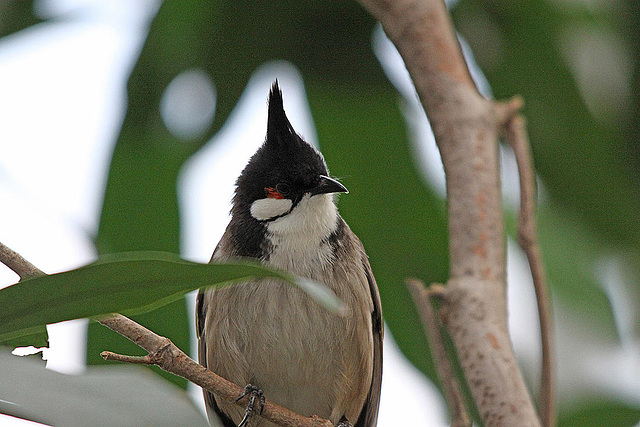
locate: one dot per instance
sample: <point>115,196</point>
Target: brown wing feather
<point>369,415</point>
<point>201,312</point>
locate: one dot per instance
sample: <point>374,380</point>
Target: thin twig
<point>140,360</point>
<point>516,136</point>
<point>166,355</point>
<point>433,329</point>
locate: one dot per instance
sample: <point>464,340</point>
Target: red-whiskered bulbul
<point>270,334</point>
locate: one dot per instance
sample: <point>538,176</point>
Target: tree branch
<point>18,264</point>
<point>516,135</point>
<point>466,128</point>
<point>135,360</point>
<point>164,354</point>
<point>432,328</point>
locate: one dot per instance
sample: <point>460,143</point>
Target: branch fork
<point>466,128</point>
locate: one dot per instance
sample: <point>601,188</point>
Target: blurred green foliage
<point>16,15</point>
<point>582,160</point>
<point>589,165</point>
<point>601,414</point>
<point>118,396</point>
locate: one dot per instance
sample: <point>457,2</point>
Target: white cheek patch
<point>264,209</point>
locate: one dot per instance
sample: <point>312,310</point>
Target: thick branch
<point>466,127</point>
<point>164,354</point>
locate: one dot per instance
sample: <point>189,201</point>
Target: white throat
<point>299,238</point>
<point>313,216</point>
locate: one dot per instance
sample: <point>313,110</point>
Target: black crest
<point>280,133</point>
<point>284,158</point>
<point>284,151</point>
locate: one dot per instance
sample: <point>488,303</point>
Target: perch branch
<point>466,128</point>
<point>516,135</point>
<point>18,264</point>
<point>432,327</point>
<point>166,355</point>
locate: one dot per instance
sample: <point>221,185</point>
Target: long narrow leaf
<point>128,283</point>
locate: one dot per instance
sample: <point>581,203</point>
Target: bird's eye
<point>283,188</point>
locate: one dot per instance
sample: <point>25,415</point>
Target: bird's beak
<point>328,185</point>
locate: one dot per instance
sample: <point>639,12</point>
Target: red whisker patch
<point>272,193</point>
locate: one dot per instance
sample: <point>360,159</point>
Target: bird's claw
<point>254,393</point>
<point>344,423</point>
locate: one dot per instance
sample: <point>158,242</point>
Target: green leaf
<point>128,283</point>
<point>38,337</point>
<point>16,15</point>
<point>107,396</point>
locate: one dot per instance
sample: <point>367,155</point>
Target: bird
<point>269,336</point>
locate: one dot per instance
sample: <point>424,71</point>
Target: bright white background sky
<point>63,100</point>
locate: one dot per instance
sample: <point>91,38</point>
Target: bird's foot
<point>344,422</point>
<point>254,393</point>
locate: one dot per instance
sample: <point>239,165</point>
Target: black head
<point>284,167</point>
